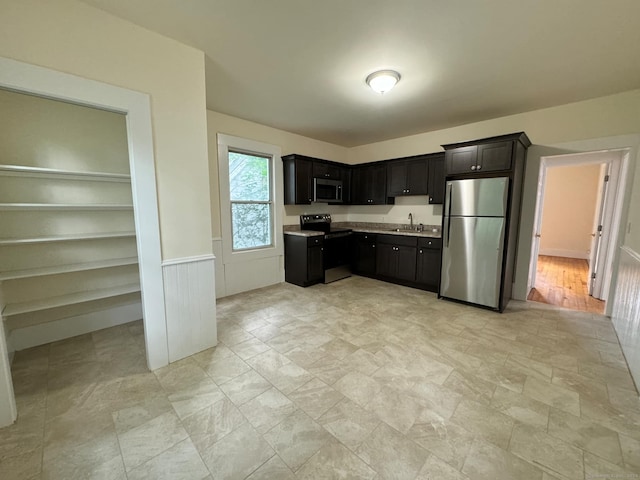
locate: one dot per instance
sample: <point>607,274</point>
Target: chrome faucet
<point>410,221</point>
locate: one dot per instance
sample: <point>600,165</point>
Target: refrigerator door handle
<point>448,214</point>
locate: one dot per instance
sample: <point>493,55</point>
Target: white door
<point>595,284</point>
<point>537,226</point>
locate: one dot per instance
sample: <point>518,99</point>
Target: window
<point>251,199</point>
<point>251,211</point>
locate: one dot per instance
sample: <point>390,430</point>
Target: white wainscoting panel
<point>53,331</point>
<point>221,290</point>
<point>626,309</point>
<point>190,304</point>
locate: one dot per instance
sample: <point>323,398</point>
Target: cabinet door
<point>396,179</point>
<point>428,268</point>
<point>315,268</point>
<point>461,160</point>
<point>365,261</point>
<point>494,156</point>
<point>405,263</point>
<point>377,184</point>
<point>303,181</point>
<point>417,177</point>
<point>436,181</point>
<point>345,176</point>
<point>359,187</point>
<point>385,259</point>
<point>327,170</point>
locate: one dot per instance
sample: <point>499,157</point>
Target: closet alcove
<point>68,257</point>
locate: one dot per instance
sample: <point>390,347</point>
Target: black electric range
<point>336,257</point>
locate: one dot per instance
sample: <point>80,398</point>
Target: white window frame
<point>269,202</point>
<point>228,143</point>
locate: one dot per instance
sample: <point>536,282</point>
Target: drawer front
<point>435,243</point>
<point>400,240</point>
<point>364,237</point>
<point>313,241</point>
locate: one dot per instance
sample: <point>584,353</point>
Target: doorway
<point>34,80</point>
<point>578,211</point>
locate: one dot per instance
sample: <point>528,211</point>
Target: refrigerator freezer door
<point>479,197</point>
<point>472,260</point>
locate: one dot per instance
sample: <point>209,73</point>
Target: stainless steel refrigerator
<point>473,240</point>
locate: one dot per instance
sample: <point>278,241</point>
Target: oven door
<point>336,257</point>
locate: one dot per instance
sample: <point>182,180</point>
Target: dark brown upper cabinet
<point>299,172</point>
<point>369,184</point>
<point>330,171</point>
<point>298,180</point>
<point>407,177</point>
<point>493,154</point>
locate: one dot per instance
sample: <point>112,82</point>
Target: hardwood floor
<point>563,281</point>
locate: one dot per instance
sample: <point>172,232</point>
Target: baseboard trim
<point>43,333</point>
<point>558,252</point>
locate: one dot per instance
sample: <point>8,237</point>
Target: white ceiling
<point>300,65</point>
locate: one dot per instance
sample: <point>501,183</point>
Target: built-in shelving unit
<point>68,250</point>
<point>81,192</point>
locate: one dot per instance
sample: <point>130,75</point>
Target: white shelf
<point>63,206</point>
<point>22,171</point>
<point>65,238</point>
<point>69,268</point>
<point>70,299</point>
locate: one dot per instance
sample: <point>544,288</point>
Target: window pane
<point>251,225</point>
<point>248,177</point>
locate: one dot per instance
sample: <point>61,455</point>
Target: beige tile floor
<point>354,380</point>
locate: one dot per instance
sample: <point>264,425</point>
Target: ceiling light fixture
<point>383,80</point>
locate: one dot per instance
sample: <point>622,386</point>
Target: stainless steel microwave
<point>327,191</point>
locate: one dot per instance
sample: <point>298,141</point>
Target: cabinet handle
<point>408,190</point>
<point>373,246</point>
<point>430,199</point>
<point>322,249</point>
<point>478,167</point>
<point>473,167</point>
<point>420,250</point>
<point>429,243</point>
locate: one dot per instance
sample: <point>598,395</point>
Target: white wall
<point>569,207</point>
<point>72,37</point>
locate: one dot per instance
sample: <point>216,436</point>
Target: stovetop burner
<point>321,222</point>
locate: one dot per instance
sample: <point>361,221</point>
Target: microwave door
<point>327,190</point>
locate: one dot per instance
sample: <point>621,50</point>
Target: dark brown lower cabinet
<point>303,260</point>
<point>396,257</point>
<point>364,253</point>
<point>428,263</point>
